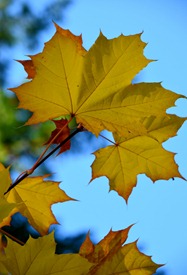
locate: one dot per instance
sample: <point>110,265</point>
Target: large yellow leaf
<point>93,86</point>
<point>109,256</point>
<point>35,198</point>
<point>38,257</point>
<point>133,155</point>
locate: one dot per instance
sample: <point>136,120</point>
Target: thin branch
<point>27,172</point>
<point>11,236</point>
<point>32,169</point>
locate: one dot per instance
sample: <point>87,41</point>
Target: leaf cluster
<point>89,91</point>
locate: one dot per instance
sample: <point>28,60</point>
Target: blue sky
<point>158,210</point>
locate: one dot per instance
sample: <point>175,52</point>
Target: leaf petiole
<point>107,139</point>
<point>31,170</point>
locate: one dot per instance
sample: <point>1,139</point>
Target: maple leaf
<point>59,134</point>
<point>109,256</point>
<point>94,86</point>
<point>133,155</point>
<point>5,206</point>
<point>35,197</point>
<point>38,257</point>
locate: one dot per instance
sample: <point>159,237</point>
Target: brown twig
<point>32,169</point>
<point>25,174</point>
<point>11,237</point>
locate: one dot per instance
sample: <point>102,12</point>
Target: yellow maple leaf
<point>133,155</point>
<point>93,86</point>
<point>109,256</point>
<point>35,197</point>
<point>38,257</point>
<point>5,206</point>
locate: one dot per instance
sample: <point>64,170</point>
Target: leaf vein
<point>105,76</point>
<point>65,73</point>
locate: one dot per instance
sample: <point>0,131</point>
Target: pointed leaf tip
<point>29,68</point>
<point>75,38</point>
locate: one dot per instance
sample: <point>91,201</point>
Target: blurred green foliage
<point>22,22</point>
<point>17,140</point>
